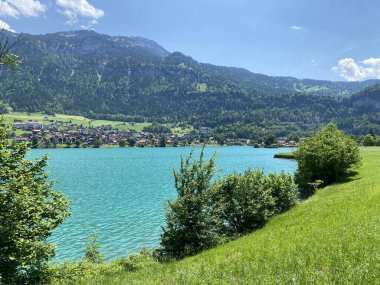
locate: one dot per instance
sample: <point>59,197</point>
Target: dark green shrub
<point>283,190</point>
<point>92,252</point>
<point>191,226</point>
<point>369,140</point>
<point>137,261</point>
<point>245,202</point>
<point>328,155</point>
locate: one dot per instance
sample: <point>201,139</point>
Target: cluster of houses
<point>64,133</point>
<point>69,134</point>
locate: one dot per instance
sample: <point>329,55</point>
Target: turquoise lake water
<point>121,193</point>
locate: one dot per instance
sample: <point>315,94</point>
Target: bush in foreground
<point>247,201</point>
<point>29,210</point>
<point>204,214</point>
<point>329,155</point>
<point>191,226</point>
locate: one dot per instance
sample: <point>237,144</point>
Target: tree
<point>35,142</point>
<point>269,140</point>
<point>98,143</point>
<point>328,155</point>
<point>162,142</point>
<point>92,252</point>
<point>7,58</point>
<point>123,143</point>
<point>131,142</point>
<point>190,224</point>
<point>29,206</point>
<point>369,140</point>
<point>29,210</point>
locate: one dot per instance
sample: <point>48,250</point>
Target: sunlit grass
<point>20,117</point>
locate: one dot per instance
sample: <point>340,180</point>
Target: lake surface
<point>121,193</point>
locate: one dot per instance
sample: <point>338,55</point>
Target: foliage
<point>369,140</point>
<point>98,143</point>
<point>162,142</point>
<point>156,128</point>
<point>191,226</point>
<point>204,214</point>
<point>328,155</point>
<point>29,210</point>
<point>283,190</point>
<point>8,59</point>
<point>246,201</point>
<point>92,252</point>
<point>269,140</point>
<point>131,142</point>
<point>122,143</point>
<point>78,272</point>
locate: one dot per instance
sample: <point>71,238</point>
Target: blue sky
<point>320,39</point>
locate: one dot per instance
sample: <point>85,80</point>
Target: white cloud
<point>5,26</point>
<point>26,8</point>
<point>73,9</point>
<point>349,69</point>
<point>296,28</point>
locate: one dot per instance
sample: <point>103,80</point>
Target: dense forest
<point>135,79</point>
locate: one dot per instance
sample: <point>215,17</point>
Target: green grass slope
<point>332,238</point>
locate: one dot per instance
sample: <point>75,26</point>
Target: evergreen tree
<point>191,226</point>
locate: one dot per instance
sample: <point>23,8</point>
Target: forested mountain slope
<point>135,79</point>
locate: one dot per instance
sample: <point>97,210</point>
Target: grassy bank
<point>285,155</point>
<point>332,238</point>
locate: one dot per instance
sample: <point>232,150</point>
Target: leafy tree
<point>156,128</point>
<point>7,58</point>
<point>98,143</point>
<point>162,142</point>
<point>122,143</point>
<point>293,137</point>
<point>328,155</point>
<point>270,139</point>
<point>68,144</point>
<point>29,210</point>
<point>48,144</point>
<point>35,142</point>
<point>77,143</point>
<point>131,142</point>
<point>92,252</point>
<point>369,140</point>
<point>190,226</point>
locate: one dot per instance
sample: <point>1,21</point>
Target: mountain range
<point>136,79</point>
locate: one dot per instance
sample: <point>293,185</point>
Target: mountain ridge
<point>136,79</point>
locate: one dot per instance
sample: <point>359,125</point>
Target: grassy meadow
<point>331,238</point>
<point>16,117</point>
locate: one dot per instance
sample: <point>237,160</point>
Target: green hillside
<point>21,117</point>
<point>136,80</point>
<point>332,238</point>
